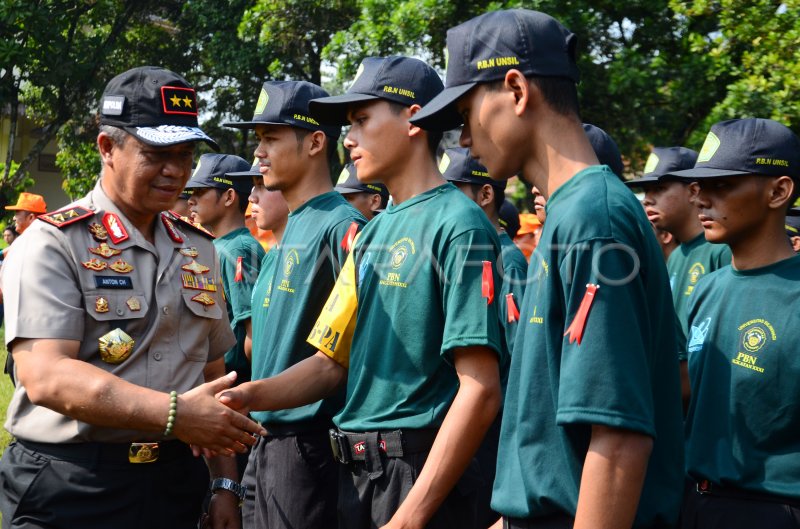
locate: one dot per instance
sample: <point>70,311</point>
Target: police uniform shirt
<point>240,257</point>
<point>420,295</point>
<point>743,420</point>
<point>307,263</point>
<point>687,265</point>
<point>622,371</point>
<point>55,287</point>
<point>515,272</point>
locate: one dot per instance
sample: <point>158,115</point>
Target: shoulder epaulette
<point>66,216</point>
<point>185,221</point>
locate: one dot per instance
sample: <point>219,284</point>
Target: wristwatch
<point>237,489</point>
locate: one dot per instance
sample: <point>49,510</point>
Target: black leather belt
<point>351,446</point>
<point>705,487</point>
<point>112,453</point>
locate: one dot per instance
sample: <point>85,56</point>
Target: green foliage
<point>78,160</point>
<point>9,191</point>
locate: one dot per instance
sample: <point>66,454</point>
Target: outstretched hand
<point>205,422</point>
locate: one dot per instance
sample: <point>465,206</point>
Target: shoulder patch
<point>184,221</point>
<point>67,216</point>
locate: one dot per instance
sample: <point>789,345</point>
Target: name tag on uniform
<point>113,282</point>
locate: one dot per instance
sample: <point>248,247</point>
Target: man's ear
<point>317,142</point>
<point>105,145</point>
<point>374,202</point>
<point>229,197</point>
<point>413,130</point>
<point>485,195</point>
<point>522,90</point>
<point>781,190</point>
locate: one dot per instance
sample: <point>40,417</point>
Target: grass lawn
<point>6,389</point>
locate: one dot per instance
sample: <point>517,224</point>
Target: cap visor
<point>348,190</point>
<point>705,172</point>
<point>793,212</point>
<point>643,181</point>
<point>244,173</point>
<point>165,135</point>
<point>333,110</point>
<point>440,112</point>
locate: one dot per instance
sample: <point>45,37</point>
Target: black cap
<point>747,146</point>
<point>186,193</point>
<point>157,106</point>
<point>218,171</point>
<point>485,48</point>
<point>605,148</point>
<point>402,80</point>
<point>458,166</point>
<point>662,162</point>
<point>349,183</point>
<point>509,218</point>
<point>249,173</point>
<point>286,103</point>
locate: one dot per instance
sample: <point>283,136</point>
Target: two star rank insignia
<point>179,100</point>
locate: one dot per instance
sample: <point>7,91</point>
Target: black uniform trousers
<point>295,479</point>
<point>92,485</point>
<point>371,491</point>
<point>734,509</point>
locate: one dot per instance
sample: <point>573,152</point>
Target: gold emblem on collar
<point>104,250</point>
<point>98,232</point>
<point>115,346</point>
<point>95,264</point>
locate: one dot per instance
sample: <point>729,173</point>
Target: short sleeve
<point>41,291</point>
<point>342,237</point>
<point>469,295</point>
<point>606,379</point>
<point>239,269</point>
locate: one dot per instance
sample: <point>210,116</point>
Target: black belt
<point>296,428</point>
<point>705,487</point>
<point>112,453</point>
<point>351,446</point>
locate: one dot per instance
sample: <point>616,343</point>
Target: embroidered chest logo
<point>290,262</point>
<point>754,336</point>
<point>696,271</point>
<point>399,253</point>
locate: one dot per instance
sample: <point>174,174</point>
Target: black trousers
<point>369,497</point>
<point>40,490</point>
<point>717,511</point>
<point>295,483</point>
<point>556,521</point>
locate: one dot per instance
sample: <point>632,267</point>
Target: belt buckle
<point>704,486</point>
<point>143,453</point>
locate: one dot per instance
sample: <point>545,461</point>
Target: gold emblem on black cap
<point>179,100</point>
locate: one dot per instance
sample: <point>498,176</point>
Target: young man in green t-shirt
<point>591,433</point>
<point>412,324</point>
<point>296,473</point>
<point>218,201</point>
<point>370,199</point>
<point>669,205</point>
<point>742,427</point>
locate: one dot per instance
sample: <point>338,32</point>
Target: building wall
<point>43,170</point>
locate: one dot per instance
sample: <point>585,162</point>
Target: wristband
<point>173,412</point>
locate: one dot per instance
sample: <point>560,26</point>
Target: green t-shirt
<point>307,263</point>
<point>621,374</point>
<point>260,299</point>
<point>513,281</point>
<point>743,420</point>
<point>240,257</point>
<point>687,264</point>
<point>419,268</point>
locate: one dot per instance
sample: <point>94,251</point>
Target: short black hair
<point>499,195</point>
<point>433,137</point>
<point>560,93</point>
<point>243,200</point>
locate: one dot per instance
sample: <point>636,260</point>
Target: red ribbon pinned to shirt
<point>487,282</point>
<point>238,276</point>
<point>576,328</point>
<point>349,237</point>
<point>513,311</point>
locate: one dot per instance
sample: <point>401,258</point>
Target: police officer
<point>591,433</point>
<point>114,313</point>
<point>742,445</point>
<point>370,199</point>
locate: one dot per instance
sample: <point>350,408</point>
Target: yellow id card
<point>333,332</point>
